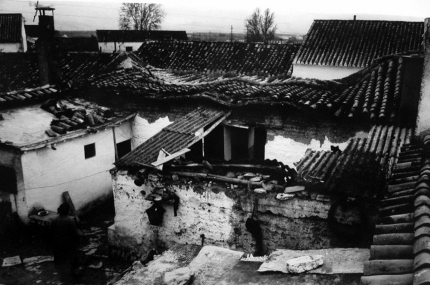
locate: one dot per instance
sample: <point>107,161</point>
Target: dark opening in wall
<point>8,183</point>
<point>128,48</point>
<point>214,144</point>
<point>123,148</point>
<point>90,150</point>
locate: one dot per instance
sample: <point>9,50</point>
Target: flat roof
<point>24,125</point>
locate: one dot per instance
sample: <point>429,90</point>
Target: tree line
<point>260,26</point>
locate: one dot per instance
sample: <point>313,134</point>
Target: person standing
<point>65,242</point>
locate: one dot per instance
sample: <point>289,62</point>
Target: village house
<point>52,148</point>
<point>129,40</point>
<point>12,33</point>
<point>337,48</point>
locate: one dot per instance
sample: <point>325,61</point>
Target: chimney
<point>423,118</point>
<point>45,46</point>
<point>355,17</point>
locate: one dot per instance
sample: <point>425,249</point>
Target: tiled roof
<point>372,94</point>
<point>356,43</point>
<point>172,138</point>
<point>139,36</point>
<point>10,28</point>
<point>401,244</point>
<point>243,58</point>
<point>27,96</point>
<point>54,121</point>
<point>20,70</point>
<point>383,143</point>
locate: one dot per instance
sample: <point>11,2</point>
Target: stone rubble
<point>304,263</point>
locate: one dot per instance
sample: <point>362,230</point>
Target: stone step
<point>396,219</point>
<point>402,193</point>
<point>394,228</point>
<point>398,200</point>
<point>404,180</point>
<point>397,209</point>
<point>399,187</point>
<point>397,239</point>
<point>391,252</point>
<point>403,279</point>
<point>393,266</point>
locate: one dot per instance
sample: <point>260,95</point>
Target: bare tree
<point>260,27</point>
<point>141,16</point>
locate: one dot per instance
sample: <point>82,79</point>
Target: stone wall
<point>220,214</point>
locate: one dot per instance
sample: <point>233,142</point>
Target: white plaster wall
<point>12,158</point>
<point>297,223</point>
<point>110,46</point>
<point>423,119</point>
<point>23,37</point>
<point>289,151</point>
<point>48,172</point>
<point>11,47</point>
<point>143,130</point>
<point>323,72</point>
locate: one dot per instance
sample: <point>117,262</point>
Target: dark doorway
<point>8,183</point>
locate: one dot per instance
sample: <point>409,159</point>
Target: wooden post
<point>69,201</point>
<point>227,143</point>
<point>114,144</point>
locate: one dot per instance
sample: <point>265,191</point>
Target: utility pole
<point>231,34</point>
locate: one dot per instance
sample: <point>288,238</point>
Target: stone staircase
<point>400,253</point>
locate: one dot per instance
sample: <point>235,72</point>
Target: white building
<point>334,49</point>
<point>12,33</point>
<point>41,164</point>
<point>128,40</point>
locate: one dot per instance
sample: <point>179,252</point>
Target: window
<point>128,48</point>
<point>90,150</point>
<point>123,148</point>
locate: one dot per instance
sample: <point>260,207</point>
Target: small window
<point>123,148</point>
<point>128,48</point>
<point>90,150</point>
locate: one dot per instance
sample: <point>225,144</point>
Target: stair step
<point>391,252</point>
<point>394,228</point>
<point>393,266</point>
<point>403,279</point>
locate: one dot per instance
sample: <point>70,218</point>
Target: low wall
<point>299,223</point>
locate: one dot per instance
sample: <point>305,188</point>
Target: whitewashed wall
<point>323,72</point>
<point>47,173</point>
<point>297,223</point>
<point>120,46</point>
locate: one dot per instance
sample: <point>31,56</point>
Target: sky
<point>291,17</point>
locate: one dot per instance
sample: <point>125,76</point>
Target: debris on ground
<point>11,261</point>
<point>304,263</point>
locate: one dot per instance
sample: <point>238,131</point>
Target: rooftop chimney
<point>46,48</point>
<point>355,17</point>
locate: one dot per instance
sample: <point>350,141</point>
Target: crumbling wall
<point>220,215</point>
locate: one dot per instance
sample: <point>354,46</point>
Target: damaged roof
<point>376,94</point>
<point>174,137</point>
<point>401,244</point>
<point>383,143</point>
<point>20,70</point>
<point>10,28</point>
<point>356,43</point>
<point>54,121</point>
<point>240,58</point>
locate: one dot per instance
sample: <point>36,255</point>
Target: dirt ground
<point>96,267</point>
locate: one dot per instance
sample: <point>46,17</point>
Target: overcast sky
<point>294,17</point>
